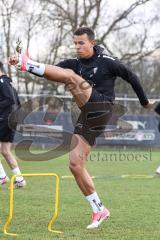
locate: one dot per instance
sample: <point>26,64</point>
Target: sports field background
<point>134,201</point>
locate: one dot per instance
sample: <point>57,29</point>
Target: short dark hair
<point>85,30</point>
<point>1,67</point>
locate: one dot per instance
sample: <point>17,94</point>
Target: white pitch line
<point>131,176</point>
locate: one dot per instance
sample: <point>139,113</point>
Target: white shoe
<point>20,184</point>
<point>97,218</point>
<point>158,170</point>
<point>4,180</point>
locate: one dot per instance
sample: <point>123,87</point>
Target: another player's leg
<point>78,156</point>
<point>12,162</point>
<point>157,110</point>
<point>3,177</point>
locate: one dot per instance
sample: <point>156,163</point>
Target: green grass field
<point>133,201</point>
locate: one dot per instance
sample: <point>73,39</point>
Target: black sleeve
<point>6,94</point>
<point>64,64</point>
<point>69,63</point>
<point>120,70</point>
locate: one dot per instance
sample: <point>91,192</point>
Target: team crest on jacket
<point>94,71</point>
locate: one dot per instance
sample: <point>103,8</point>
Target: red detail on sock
<point>23,68</point>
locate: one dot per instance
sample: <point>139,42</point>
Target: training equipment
<point>4,180</point>
<point>5,229</point>
<point>97,218</point>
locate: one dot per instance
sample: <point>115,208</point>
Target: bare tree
<point>53,22</point>
<point>72,14</point>
<point>76,13</point>
<point>8,10</point>
<point>33,24</point>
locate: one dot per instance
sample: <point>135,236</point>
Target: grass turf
<point>133,202</point>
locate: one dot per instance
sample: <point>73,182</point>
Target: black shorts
<point>6,133</point>
<point>94,116</point>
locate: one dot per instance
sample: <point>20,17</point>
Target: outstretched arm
<point>120,70</point>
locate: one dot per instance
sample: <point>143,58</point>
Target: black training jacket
<point>101,72</point>
<point>7,97</point>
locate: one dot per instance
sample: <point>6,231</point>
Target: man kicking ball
<point>91,79</point>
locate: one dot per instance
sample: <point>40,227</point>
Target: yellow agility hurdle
<point>55,213</point>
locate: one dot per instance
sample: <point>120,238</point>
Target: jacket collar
<point>98,49</point>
